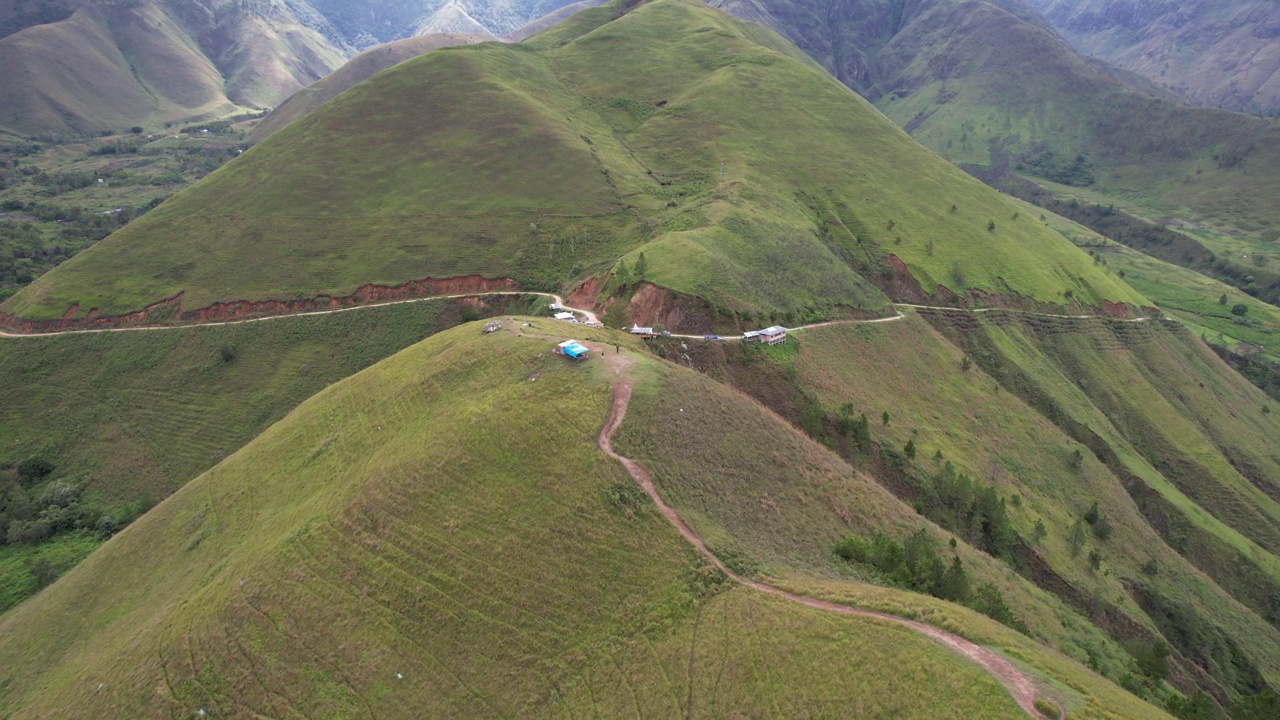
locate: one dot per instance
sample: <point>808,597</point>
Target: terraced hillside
<point>412,533</point>
<point>619,132</point>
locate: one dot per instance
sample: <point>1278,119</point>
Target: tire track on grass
<point>1019,685</point>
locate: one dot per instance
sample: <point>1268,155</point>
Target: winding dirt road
<point>588,315</point>
<point>1021,687</point>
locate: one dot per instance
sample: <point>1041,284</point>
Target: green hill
<point>412,541</point>
<point>359,68</point>
<point>125,419</point>
<point>1094,499</point>
<point>618,132</point>
<point>1040,107</point>
<point>111,66</point>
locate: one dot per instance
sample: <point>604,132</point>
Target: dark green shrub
<point>34,470</point>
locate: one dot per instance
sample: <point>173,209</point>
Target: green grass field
<point>135,415</point>
<point>460,559</point>
<point>357,69</point>
<point>614,133</point>
<point>1160,403</point>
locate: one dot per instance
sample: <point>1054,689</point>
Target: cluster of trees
<point>31,515</point>
<point>624,275</point>
<point>121,146</point>
<point>1259,370</point>
<point>917,564</point>
<point>974,511</point>
<point>28,251</point>
<point>218,127</point>
<point>1076,171</point>
<point>856,432</point>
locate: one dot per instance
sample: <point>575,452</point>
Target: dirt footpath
<point>1020,686</point>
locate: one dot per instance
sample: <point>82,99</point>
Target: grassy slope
<point>135,415</point>
<point>1215,54</point>
<point>773,502</point>
<point>600,137</point>
<point>1143,395</point>
<point>401,178</point>
<point>74,74</point>
<point>1012,81</point>
<point>131,417</point>
<point>357,69</point>
<point>912,371</point>
<point>459,563</point>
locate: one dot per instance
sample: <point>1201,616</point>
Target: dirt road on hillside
<point>1021,687</point>
<point>588,315</point>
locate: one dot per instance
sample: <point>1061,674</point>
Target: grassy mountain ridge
<point>112,66</point>
<point>1209,163</point>
<point>614,133</point>
<point>1062,121</point>
<point>124,420</point>
<point>403,505</point>
<point>357,69</point>
<point>439,534</point>
<point>366,23</point>
<point>260,568</point>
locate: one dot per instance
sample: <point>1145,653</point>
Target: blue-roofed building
<point>574,349</point>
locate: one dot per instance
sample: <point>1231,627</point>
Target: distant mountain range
<point>1217,53</point>
<point>441,536</point>
<point>994,85</point>
<point>87,66</point>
